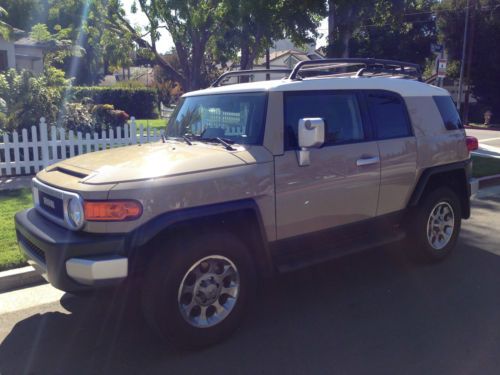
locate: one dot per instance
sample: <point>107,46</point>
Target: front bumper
<point>71,261</point>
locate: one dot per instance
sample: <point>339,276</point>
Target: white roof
<point>404,87</point>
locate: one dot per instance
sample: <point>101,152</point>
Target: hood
<point>153,160</point>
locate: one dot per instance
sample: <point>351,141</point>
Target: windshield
<point>239,118</point>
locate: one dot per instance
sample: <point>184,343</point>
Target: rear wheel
<point>196,292</point>
<point>436,225</point>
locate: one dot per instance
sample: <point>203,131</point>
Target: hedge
<point>138,102</point>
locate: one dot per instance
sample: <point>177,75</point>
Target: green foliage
<point>23,14</point>
<point>76,117</point>
<point>391,29</point>
<point>251,26</point>
<point>106,115</point>
<point>138,102</point>
<point>5,28</point>
<point>29,97</point>
<point>40,33</point>
<point>485,67</point>
<point>193,25</point>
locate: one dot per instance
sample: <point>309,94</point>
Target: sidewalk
<point>15,182</point>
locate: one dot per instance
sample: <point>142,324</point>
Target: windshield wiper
<point>226,144</point>
<point>223,141</point>
<point>188,141</point>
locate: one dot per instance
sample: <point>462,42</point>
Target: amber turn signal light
<point>112,210</point>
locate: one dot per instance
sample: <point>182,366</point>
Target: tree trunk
<point>346,40</point>
<point>331,28</point>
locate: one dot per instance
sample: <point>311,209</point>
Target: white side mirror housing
<point>311,135</point>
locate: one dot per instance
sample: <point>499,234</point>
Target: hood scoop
<point>68,172</point>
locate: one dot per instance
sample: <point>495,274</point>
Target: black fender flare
<point>464,166</point>
<point>154,227</point>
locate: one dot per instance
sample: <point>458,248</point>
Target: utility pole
<point>469,62</point>
<point>268,63</point>
<point>462,63</point>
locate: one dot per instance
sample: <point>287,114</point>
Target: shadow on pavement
<point>372,313</point>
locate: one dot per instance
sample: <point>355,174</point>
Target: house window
<point>4,63</point>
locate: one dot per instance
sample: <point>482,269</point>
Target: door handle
<point>367,161</point>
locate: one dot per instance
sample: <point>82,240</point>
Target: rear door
<point>398,149</point>
<point>341,185</point>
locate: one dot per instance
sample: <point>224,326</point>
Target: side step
<point>294,256</point>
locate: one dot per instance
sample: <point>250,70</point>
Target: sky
<point>165,43</point>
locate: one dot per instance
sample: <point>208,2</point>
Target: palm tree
<point>5,28</point>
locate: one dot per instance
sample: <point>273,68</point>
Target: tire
<point>202,265</point>
<point>432,239</point>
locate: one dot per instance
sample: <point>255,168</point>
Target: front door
<point>341,184</point>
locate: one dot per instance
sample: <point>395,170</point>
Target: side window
<point>340,111</point>
<point>388,114</point>
<point>448,112</point>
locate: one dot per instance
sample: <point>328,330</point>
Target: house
<point>283,55</point>
<point>22,53</point>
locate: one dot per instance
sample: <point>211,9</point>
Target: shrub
<point>28,97</point>
<point>76,117</point>
<point>138,102</point>
<point>106,116</point>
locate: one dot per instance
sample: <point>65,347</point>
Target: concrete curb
<point>19,278</point>
<point>480,128</point>
<point>489,181</point>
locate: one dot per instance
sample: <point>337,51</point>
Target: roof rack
<point>237,73</point>
<point>369,65</point>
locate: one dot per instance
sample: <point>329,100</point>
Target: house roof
<point>299,55</point>
<point>29,42</point>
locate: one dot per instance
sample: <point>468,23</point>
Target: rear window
<point>388,113</point>
<point>448,112</point>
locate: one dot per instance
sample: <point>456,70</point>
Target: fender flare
<point>148,231</point>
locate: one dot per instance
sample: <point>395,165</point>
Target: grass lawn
<point>11,201</point>
<point>157,123</point>
<point>482,166</point>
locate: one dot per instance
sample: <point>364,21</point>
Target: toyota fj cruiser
<point>253,178</point>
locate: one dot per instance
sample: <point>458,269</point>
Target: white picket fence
<point>30,152</point>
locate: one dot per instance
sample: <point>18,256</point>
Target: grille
<point>33,249</point>
<point>51,204</point>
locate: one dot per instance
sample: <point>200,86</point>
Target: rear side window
<point>388,114</point>
<point>339,110</point>
<point>449,113</point>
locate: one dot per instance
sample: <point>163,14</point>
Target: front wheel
<point>436,225</point>
<point>196,292</point>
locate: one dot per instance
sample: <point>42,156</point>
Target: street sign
<point>441,68</point>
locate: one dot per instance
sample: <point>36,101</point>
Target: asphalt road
<point>372,313</point>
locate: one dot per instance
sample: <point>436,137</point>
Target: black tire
<point>418,241</point>
<point>167,270</point>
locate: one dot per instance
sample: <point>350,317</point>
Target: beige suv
<point>252,179</point>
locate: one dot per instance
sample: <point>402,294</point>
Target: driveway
<point>371,313</point>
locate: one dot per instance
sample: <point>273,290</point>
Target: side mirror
<point>311,135</point>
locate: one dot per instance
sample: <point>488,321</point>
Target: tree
<point>396,29</point>
<point>192,25</point>
<point>252,25</point>
<point>485,70</point>
<point>23,14</point>
<point>401,32</point>
<point>5,28</point>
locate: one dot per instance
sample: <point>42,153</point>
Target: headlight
<point>75,212</point>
